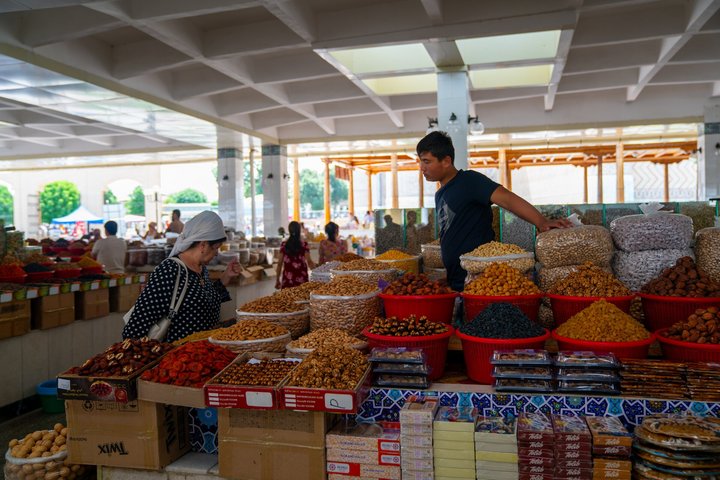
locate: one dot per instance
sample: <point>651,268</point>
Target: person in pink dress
<point>294,260</point>
<point>333,246</point>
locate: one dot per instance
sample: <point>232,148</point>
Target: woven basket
<point>275,344</point>
<point>298,323</point>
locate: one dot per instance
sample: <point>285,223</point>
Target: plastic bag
<point>652,230</point>
<point>349,313</point>
<point>520,261</point>
<point>707,250</point>
<point>55,466</point>
<point>635,269</point>
<point>548,277</point>
<point>572,246</point>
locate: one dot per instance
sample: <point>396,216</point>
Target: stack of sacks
<point>573,448</point>
<point>454,443</point>
<point>496,448</point>
<point>416,437</point>
<point>363,450</point>
<point>561,251</point>
<point>611,448</point>
<point>649,243</point>
<point>536,456</point>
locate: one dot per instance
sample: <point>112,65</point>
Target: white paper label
<point>63,384</point>
<point>259,399</point>
<point>338,401</point>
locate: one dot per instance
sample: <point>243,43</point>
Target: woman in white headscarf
<point>200,307</point>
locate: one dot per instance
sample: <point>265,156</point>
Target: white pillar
<point>275,188</point>
<point>231,206</point>
<point>452,97</point>
<point>708,160</point>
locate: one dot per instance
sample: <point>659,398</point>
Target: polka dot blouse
<point>200,310</point>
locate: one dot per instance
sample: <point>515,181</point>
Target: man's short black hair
<point>111,227</point>
<point>439,144</point>
<point>176,212</point>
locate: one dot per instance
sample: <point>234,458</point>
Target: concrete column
<point>351,191</point>
<point>275,188</point>
<point>452,98</point>
<point>326,191</point>
<point>369,188</point>
<point>620,171</point>
<point>394,180</point>
<point>708,157</point>
<point>253,208</point>
<point>231,198</point>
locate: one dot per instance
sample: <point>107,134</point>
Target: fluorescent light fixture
<point>536,75</point>
<point>389,59</point>
<point>403,85</point>
<point>509,48</point>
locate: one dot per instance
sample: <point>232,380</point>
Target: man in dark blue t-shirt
<point>463,204</point>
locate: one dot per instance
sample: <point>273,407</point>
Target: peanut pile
<point>703,326</point>
<point>265,373</point>
<point>603,322</point>
<point>500,279</point>
<point>301,293</point>
<point>249,330</point>
<point>411,326</point>
<point>495,249</point>
<point>325,337</point>
<point>683,280</point>
<point>272,304</point>
<point>480,258</point>
<point>123,358</point>
<point>330,368</point>
<point>362,265</point>
<point>416,284</point>
<point>345,286</point>
<point>590,281</point>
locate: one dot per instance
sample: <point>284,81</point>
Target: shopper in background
<point>152,232</point>
<point>176,225</point>
<point>294,260</point>
<point>463,204</point>
<point>110,251</point>
<point>200,309</point>
<point>368,219</point>
<point>333,246</point>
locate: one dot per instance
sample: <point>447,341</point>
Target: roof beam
<point>433,8</point>
<point>174,9</point>
<point>41,27</point>
<point>701,12</point>
<point>296,16</point>
<point>558,67</point>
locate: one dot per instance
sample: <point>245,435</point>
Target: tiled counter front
<point>385,404</point>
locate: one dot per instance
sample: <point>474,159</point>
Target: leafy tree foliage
<point>58,199</point>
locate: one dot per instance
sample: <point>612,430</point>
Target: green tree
<point>311,189</point>
<point>188,195</point>
<point>58,199</point>
<point>258,179</point>
<point>136,204</point>
<point>338,190</point>
<point>109,198</point>
<point>6,205</point>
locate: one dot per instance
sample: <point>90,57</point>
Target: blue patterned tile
<point>597,407</point>
<point>615,406</point>
<point>699,408</point>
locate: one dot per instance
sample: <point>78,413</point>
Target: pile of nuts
<point>636,269</point>
<point>330,368</point>
<point>707,250</point>
<point>265,373</point>
<point>190,365</point>
<point>603,322</point>
<point>42,444</point>
<point>348,257</point>
<point>364,264</point>
<point>480,258</point>
<point>123,358</point>
<point>411,326</point>
<point>495,249</point>
<point>272,304</point>
<point>329,337</point>
<point>301,293</point>
<point>394,255</point>
<point>573,246</point>
<point>344,286</point>
<point>683,280</point>
<point>500,279</point>
<point>249,330</point>
<point>662,231</point>
<point>703,326</point>
<point>590,281</point>
<point>416,284</point>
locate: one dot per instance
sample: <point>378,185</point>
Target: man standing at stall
<point>110,251</point>
<point>176,225</point>
<point>463,204</point>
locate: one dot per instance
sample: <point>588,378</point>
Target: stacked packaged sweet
<point>399,367</point>
<point>363,450</point>
<point>536,437</point>
<point>454,442</point>
<point>587,372</point>
<point>416,437</point>
<point>611,448</point>
<point>573,448</point>
<point>522,370</point>
<point>496,450</point>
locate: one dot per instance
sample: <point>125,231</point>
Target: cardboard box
<point>92,304</point>
<point>123,297</point>
<point>362,456</point>
<point>488,465</point>
<point>371,437</point>
<point>322,400</point>
<point>275,426</point>
<point>114,389</point>
<point>133,435</point>
<point>170,394</point>
<point>362,470</point>
<point>252,460</point>
<point>14,318</point>
<point>417,464</point>
<point>53,311</point>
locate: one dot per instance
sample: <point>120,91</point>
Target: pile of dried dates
<point>123,358</point>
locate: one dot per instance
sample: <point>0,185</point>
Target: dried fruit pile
<point>190,365</point>
<point>123,358</point>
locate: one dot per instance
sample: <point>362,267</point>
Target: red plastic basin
<point>680,351</point>
<point>437,308</point>
<point>474,304</point>
<point>434,346</point>
<point>39,276</point>
<point>478,352</point>
<point>634,349</point>
<point>68,272</point>
<point>13,279</point>
<point>564,307</point>
<point>92,270</point>
<point>663,312</point>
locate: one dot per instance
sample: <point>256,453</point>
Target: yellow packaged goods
<point>590,281</point>
<point>325,337</point>
<point>362,265</point>
<point>394,255</point>
<point>301,293</point>
<point>703,326</point>
<point>271,304</point>
<point>411,326</point>
<point>480,258</point>
<point>500,279</point>
<point>603,322</point>
<point>330,368</point>
<point>249,330</point>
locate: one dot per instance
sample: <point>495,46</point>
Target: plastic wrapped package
<point>702,214</point>
<point>553,212</point>
<point>573,246</point>
<point>656,231</point>
<point>707,251</point>
<point>521,261</point>
<point>588,214</point>
<point>432,256</point>
<point>496,222</point>
<point>635,269</point>
<point>545,317</point>
<point>613,211</point>
<point>349,313</point>
<point>548,277</point>
<point>517,231</point>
